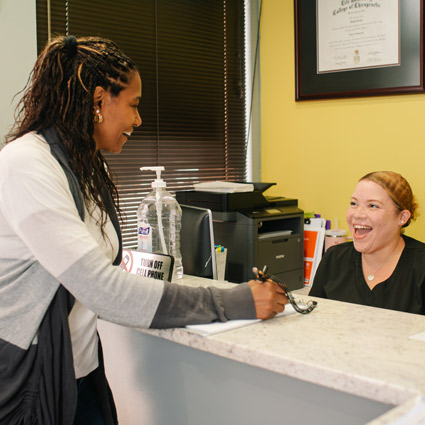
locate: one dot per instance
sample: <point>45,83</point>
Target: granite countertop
<point>360,350</point>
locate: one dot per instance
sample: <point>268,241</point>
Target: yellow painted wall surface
<point>316,150</point>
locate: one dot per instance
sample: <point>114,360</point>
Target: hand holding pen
<point>300,307</point>
<point>269,298</point>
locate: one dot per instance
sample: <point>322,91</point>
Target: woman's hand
<point>269,298</point>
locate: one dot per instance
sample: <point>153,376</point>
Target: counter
<point>341,364</point>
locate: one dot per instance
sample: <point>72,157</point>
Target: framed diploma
<point>350,48</point>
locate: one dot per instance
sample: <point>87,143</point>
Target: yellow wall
<point>316,150</point>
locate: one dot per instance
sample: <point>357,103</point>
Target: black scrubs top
<point>340,277</point>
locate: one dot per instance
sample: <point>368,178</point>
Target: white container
<point>334,237</point>
<point>159,223</point>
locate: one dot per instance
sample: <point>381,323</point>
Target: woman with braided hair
<point>60,239</point>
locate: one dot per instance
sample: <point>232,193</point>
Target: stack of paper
<point>223,187</point>
<point>314,238</point>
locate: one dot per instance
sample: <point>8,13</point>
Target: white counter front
<point>341,364</point>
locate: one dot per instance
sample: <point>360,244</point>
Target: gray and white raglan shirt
<point>44,243</point>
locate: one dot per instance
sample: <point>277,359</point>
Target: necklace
<point>371,276</point>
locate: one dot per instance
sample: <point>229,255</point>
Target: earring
<point>401,222</point>
<point>98,117</point>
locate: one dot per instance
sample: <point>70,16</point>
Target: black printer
<point>257,230</point>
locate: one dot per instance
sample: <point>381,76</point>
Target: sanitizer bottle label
<point>144,237</point>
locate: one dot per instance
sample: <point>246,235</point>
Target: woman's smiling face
<point>373,218</point>
<point>120,115</point>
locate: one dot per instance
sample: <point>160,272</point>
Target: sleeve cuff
<point>238,302</point>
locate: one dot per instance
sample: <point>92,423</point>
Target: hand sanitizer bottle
<point>159,223</point>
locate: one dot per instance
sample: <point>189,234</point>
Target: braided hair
<point>60,94</point>
<point>399,190</point>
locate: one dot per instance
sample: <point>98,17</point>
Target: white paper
<point>354,34</point>
<point>312,257</point>
<point>224,187</point>
<point>218,327</point>
<point>419,336</point>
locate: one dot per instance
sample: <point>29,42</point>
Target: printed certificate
<point>355,34</point>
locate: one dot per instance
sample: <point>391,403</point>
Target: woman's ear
<point>404,217</point>
<point>98,95</point>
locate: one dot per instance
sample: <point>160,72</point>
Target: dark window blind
<point>191,57</point>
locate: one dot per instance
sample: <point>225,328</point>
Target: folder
<point>314,238</point>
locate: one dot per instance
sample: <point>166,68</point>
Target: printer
<point>257,230</point>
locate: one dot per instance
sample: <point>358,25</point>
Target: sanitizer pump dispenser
<point>159,223</point>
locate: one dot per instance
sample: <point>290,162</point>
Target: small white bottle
<point>159,223</point>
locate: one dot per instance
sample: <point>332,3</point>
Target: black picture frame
<point>406,78</point>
